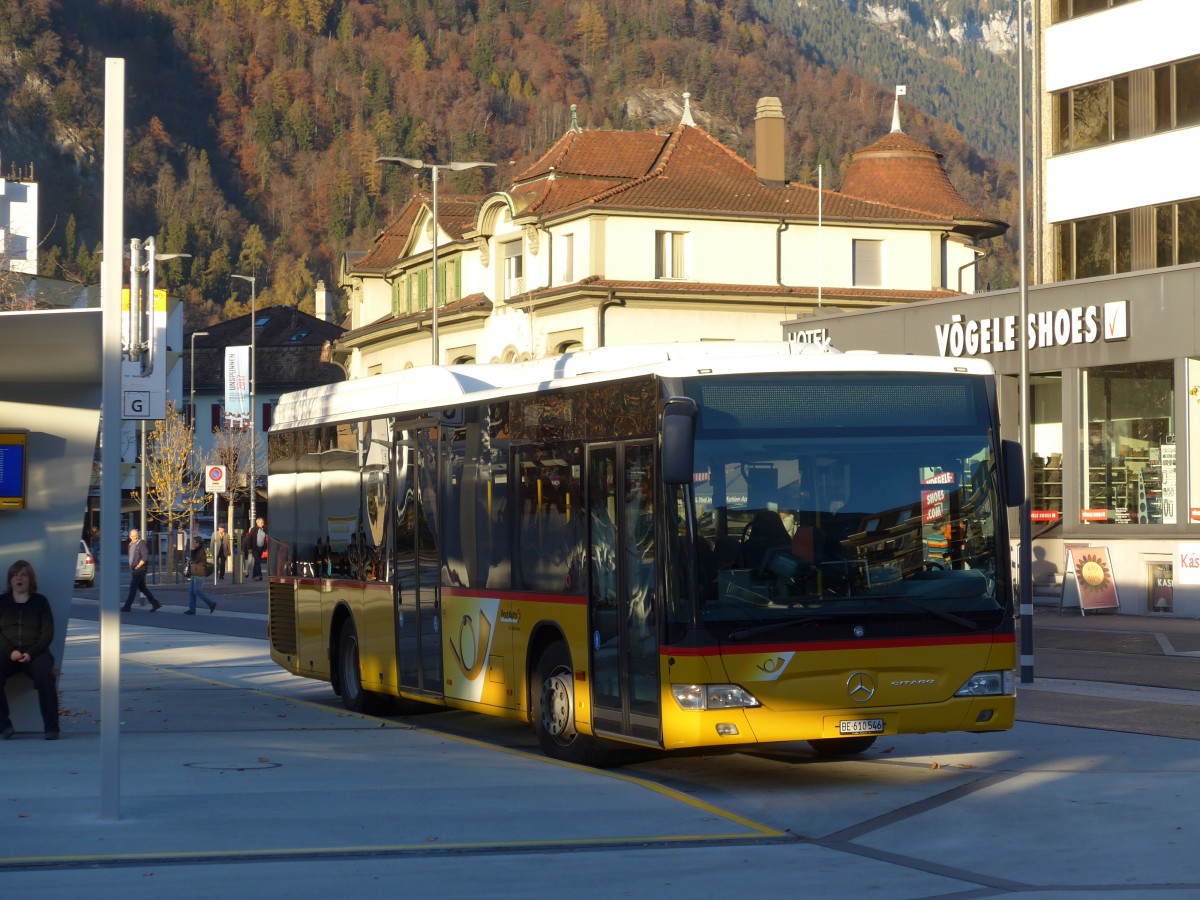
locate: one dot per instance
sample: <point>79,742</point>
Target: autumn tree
<point>174,481</point>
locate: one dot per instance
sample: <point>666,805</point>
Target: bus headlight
<point>988,684</point>
<point>712,696</point>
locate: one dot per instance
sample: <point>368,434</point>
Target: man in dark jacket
<point>221,550</point>
<point>139,558</point>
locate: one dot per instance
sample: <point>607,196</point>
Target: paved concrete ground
<point>240,779</point>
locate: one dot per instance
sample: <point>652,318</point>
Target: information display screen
<point>12,470</point>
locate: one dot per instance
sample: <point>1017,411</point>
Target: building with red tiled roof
<point>619,237</point>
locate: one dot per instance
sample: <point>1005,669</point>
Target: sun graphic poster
<point>1090,579</point>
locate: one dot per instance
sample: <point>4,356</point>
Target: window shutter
<point>868,263</point>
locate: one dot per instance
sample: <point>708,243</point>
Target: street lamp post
<point>253,331</point>
<point>434,169</point>
<point>192,380</point>
<point>192,415</point>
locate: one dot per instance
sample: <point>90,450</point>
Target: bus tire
<point>354,697</point>
<point>847,746</point>
<point>554,714</point>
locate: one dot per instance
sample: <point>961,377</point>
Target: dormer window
<point>514,270</point>
<point>670,254</point>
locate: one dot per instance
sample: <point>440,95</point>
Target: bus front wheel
<point>848,746</point>
<point>555,712</point>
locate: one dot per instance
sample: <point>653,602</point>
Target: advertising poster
<point>1089,580</point>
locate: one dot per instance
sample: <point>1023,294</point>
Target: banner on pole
<point>237,382</point>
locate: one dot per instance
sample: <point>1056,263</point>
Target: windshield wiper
<point>966,623</point>
<point>740,634</point>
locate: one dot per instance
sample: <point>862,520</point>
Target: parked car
<point>85,565</point>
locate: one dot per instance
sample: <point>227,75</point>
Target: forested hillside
<point>252,125</point>
<point>957,57</point>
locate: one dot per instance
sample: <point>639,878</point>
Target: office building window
<point>1087,248</point>
<point>1091,115</point>
<point>669,252</point>
<point>1177,233</point>
<point>1177,95</point>
<point>1069,9</point>
<point>1128,444</point>
<point>868,263</point>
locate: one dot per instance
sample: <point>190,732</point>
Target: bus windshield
<point>854,497</point>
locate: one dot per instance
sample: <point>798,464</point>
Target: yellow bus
<point>669,546</point>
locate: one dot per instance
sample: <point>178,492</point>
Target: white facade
<point>1149,168</point>
<point>621,248</point>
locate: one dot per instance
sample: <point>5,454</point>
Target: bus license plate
<point>860,726</point>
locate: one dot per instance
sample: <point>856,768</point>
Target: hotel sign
<point>1050,328</point>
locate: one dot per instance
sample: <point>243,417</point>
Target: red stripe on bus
<point>515,596</point>
<point>888,643</point>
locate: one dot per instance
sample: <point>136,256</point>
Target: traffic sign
<point>214,480</point>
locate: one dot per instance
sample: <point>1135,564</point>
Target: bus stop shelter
<point>50,388</point>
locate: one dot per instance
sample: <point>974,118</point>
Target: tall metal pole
<point>433,322</point>
<point>435,168</point>
<point>253,434</point>
<point>111,271</point>
<point>192,422</point>
<point>253,443</point>
<point>1025,551</point>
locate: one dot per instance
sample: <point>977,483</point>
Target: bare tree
<point>231,449</point>
<point>174,478</point>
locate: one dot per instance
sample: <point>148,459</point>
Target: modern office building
<point>1114,328</point>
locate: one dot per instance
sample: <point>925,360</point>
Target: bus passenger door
<point>623,591</point>
<point>418,629</point>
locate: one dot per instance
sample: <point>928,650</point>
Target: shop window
<point>1193,424</point>
<point>1046,502</point>
<point>1128,445</point>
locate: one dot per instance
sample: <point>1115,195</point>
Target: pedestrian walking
<point>256,546</point>
<point>26,630</point>
<point>199,569</point>
<point>221,551</point>
<point>139,558</point>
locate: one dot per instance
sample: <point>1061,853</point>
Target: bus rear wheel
<point>848,746</point>
<point>354,697</point>
<point>554,715</point>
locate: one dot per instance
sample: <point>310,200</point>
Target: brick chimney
<point>768,141</point>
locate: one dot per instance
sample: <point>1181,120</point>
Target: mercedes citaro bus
<point>667,546</point>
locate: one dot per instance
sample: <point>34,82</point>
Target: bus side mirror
<point>678,440</point>
<point>1014,473</point>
